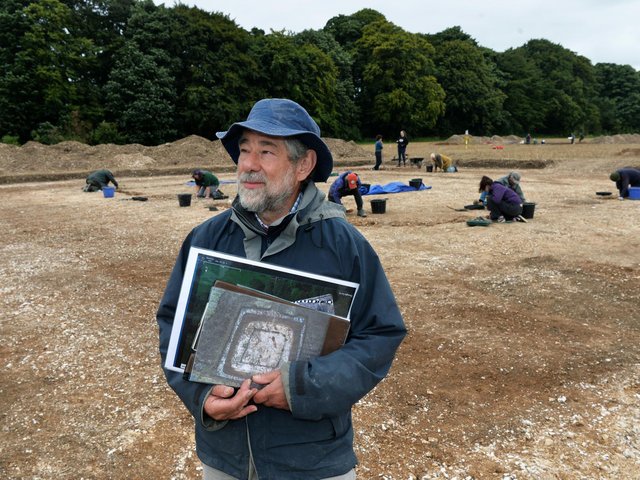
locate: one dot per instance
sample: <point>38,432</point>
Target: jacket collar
<point>313,208</point>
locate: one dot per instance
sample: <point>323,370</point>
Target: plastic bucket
<point>527,209</point>
<point>634,193</point>
<point>415,183</point>
<point>379,205</point>
<point>108,192</point>
<point>429,168</point>
<point>184,199</point>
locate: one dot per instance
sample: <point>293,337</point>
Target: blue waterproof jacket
<point>339,188</point>
<point>315,439</point>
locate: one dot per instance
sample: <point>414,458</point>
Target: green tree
<point>43,80</point>
<point>215,77</point>
<point>398,88</point>
<point>474,100</point>
<point>301,72</point>
<point>570,87</point>
<point>13,27</point>
<point>347,121</point>
<point>449,35</point>
<point>526,91</point>
<point>103,22</point>
<point>140,96</point>
<point>619,97</point>
<point>347,29</point>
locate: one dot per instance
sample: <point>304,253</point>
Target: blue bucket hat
<point>280,117</point>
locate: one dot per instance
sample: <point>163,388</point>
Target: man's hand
<point>221,405</point>
<point>272,394</point>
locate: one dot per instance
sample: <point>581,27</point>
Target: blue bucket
<point>108,192</point>
<point>634,193</point>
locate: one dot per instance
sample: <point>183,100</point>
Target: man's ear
<point>306,165</point>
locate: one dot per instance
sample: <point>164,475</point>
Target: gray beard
<point>265,200</point>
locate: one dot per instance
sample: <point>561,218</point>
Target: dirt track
<point>522,359</point>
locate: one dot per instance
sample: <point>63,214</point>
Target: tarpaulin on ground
<point>392,187</point>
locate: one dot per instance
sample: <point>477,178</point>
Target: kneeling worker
<point>442,161</point>
<point>625,178</point>
<point>206,184</point>
<point>348,183</point>
<point>98,180</point>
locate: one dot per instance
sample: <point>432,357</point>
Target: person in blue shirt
<point>379,148</point>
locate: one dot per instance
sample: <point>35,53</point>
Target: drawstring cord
<point>310,227</point>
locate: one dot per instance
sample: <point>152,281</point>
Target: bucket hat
<point>280,117</point>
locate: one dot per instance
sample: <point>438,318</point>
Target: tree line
<point>129,71</point>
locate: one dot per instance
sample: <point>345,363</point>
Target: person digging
<point>347,183</point>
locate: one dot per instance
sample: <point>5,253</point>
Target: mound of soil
<point>613,139</point>
<point>73,159</point>
<point>513,139</point>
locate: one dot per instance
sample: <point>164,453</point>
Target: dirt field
<point>523,354</point>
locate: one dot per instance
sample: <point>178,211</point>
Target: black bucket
<point>184,199</point>
<point>416,183</point>
<point>429,168</point>
<point>528,209</point>
<point>379,205</point>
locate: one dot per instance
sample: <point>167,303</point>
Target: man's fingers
<point>244,412</point>
<point>222,405</point>
<point>222,391</point>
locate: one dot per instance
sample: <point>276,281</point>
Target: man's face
<point>268,182</point>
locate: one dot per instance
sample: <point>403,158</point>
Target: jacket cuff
<point>284,374</point>
<point>209,424</point>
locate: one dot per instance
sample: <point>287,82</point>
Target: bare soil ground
<point>522,359</point>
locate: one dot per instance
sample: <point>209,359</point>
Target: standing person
<point>347,183</point>
<point>379,148</point>
<point>403,141</point>
<point>98,180</point>
<point>502,202</point>
<point>298,425</point>
<point>206,184</point>
<point>625,177</point>
<point>512,180</point>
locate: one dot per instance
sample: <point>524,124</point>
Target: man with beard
<point>297,424</point>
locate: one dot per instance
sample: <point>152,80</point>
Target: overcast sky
<point>601,30</point>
